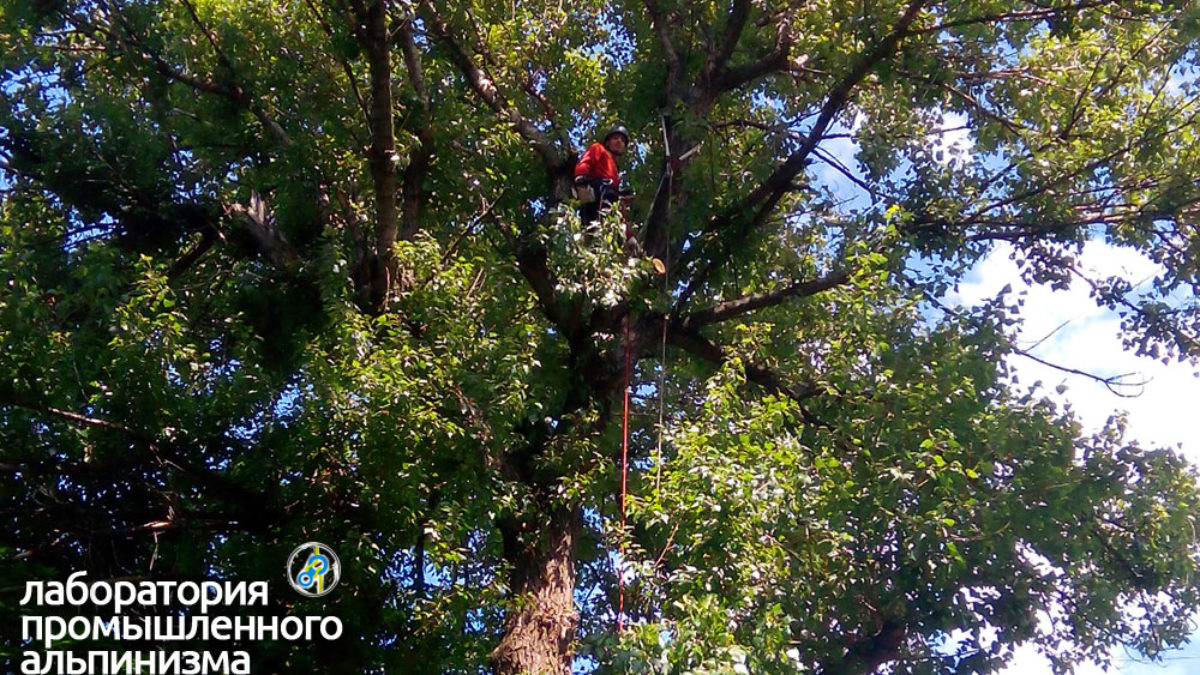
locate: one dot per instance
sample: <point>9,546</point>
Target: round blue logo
<point>313,569</point>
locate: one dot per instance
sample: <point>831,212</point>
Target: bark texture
<point>541,624</point>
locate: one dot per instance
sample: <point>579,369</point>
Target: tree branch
<point>258,223</point>
<point>207,239</point>
<point>1189,343</point>
<point>755,301</point>
<point>841,168</point>
<point>659,22</point>
<point>714,79</point>
<point>240,94</point>
<point>532,262</point>
<point>1025,15</point>
<point>362,102</point>
<point>1112,383</point>
<point>774,61</point>
<point>372,33</point>
<point>233,92</point>
<point>164,452</point>
<point>484,86</point>
<point>972,102</point>
<point>764,198</point>
<point>718,59</point>
<point>696,344</point>
<point>1083,169</point>
<point>420,157</point>
<point>866,653</point>
<point>210,36</point>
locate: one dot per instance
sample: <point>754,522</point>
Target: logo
<point>313,569</point>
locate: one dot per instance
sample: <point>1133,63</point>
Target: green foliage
<point>193,221</point>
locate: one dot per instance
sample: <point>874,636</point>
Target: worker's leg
<point>589,219</point>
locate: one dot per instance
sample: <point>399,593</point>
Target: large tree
<point>283,270</point>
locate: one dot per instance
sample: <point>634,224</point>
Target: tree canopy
<point>277,271</point>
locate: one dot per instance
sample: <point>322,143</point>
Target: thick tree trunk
<point>540,628</point>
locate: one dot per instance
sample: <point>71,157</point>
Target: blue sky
<point>1183,662</point>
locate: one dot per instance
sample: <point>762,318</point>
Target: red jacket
<point>598,162</point>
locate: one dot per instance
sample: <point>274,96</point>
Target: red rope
<point>624,483</point>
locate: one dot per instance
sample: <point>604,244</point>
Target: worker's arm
<point>586,167</point>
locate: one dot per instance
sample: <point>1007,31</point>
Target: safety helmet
<point>617,130</point>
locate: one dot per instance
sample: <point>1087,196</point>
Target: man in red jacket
<point>597,180</point>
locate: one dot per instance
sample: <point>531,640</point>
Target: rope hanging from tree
<point>668,177</point>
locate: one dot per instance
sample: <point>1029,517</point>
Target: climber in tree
<point>597,180</point>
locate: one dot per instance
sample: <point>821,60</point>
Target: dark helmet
<point>618,130</point>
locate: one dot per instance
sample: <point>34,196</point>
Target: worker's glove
<point>584,191</point>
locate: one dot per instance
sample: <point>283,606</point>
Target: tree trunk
<point>540,628</point>
<point>373,35</point>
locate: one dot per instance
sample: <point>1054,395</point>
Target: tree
<point>283,271</point>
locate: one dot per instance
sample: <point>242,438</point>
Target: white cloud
<point>1085,337</point>
<point>1027,661</point>
<point>953,136</point>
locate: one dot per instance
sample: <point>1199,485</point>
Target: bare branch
<point>744,305</point>
<point>1025,15</point>
<point>842,169</point>
<point>1112,383</point>
<point>258,223</point>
